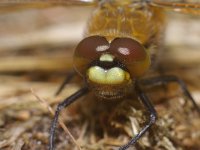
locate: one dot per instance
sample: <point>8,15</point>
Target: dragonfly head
<point>110,68</point>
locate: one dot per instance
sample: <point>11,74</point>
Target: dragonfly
<point>120,44</point>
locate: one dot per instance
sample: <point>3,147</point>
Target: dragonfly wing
<point>67,2</point>
<point>186,6</point>
<point>9,5</point>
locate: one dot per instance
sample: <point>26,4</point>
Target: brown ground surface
<point>36,53</point>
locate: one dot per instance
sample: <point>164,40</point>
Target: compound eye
<point>132,54</point>
<point>88,50</point>
<point>127,50</point>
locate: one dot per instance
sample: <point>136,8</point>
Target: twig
<point>30,63</point>
<point>60,121</point>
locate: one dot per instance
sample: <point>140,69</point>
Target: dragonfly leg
<point>69,76</point>
<point>61,106</point>
<point>145,100</point>
<point>167,79</point>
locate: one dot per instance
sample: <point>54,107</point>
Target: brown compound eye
<point>88,50</point>
<point>127,49</point>
<point>132,54</point>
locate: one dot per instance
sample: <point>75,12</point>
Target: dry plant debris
<point>42,65</point>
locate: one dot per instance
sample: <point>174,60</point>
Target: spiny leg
<point>145,100</point>
<point>60,106</point>
<point>169,78</point>
<point>69,76</point>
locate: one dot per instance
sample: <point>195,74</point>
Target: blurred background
<point>36,50</point>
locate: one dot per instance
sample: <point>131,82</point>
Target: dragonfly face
<point>111,61</point>
<point>110,68</point>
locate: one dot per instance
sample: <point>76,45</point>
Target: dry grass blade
<point>45,104</point>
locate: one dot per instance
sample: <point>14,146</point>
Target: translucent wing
<point>186,6</point>
<point>9,5</point>
<point>14,2</point>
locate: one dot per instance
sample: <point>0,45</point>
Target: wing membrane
<point>186,6</point>
<point>47,1</point>
<point>12,5</point>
